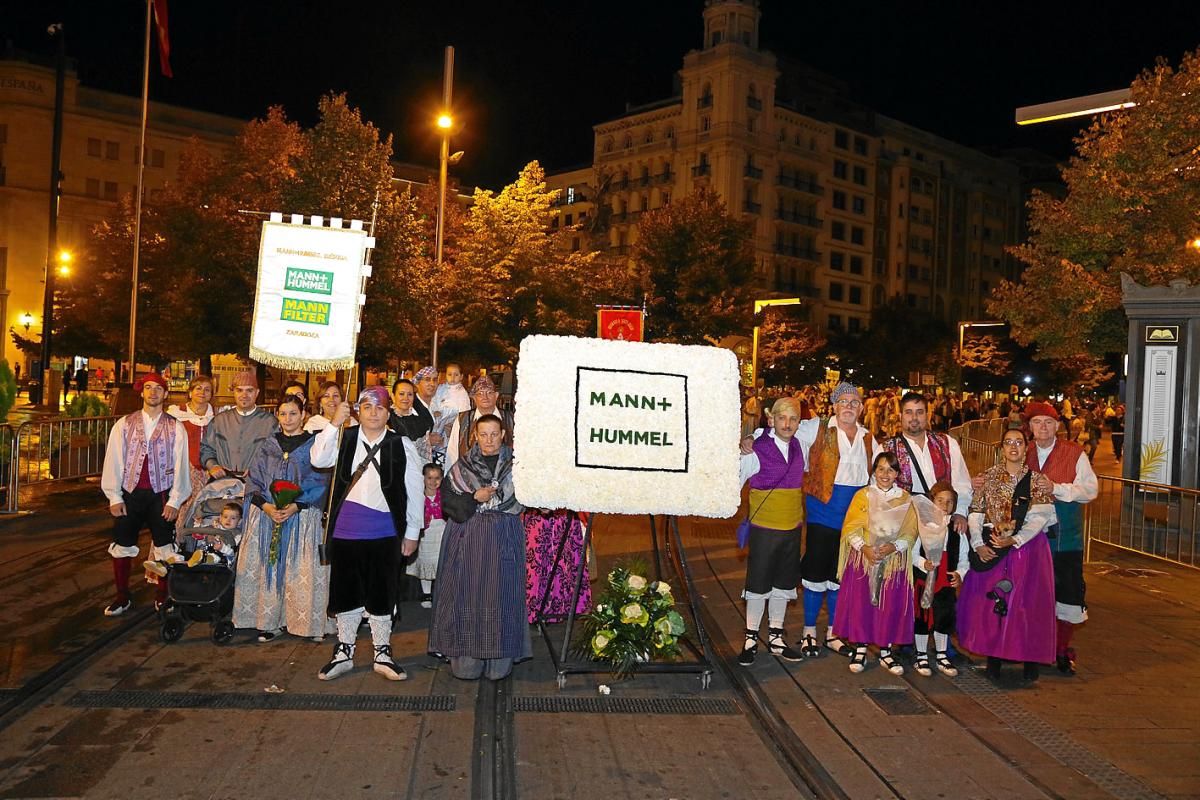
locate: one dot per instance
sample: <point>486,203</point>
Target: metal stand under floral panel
<point>672,551</point>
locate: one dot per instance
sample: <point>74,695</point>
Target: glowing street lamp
<point>64,263</point>
<point>444,123</point>
<point>26,320</point>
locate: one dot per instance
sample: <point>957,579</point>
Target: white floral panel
<point>627,427</point>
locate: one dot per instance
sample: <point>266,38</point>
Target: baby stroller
<point>203,593</point>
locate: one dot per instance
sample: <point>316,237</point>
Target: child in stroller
<point>200,588</point>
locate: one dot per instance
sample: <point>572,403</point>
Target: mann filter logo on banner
<point>312,312</point>
<point>631,420</point>
<point>308,280</point>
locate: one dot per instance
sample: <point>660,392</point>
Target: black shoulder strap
<point>1022,494</point>
<point>916,468</point>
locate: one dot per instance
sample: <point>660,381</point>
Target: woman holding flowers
<point>479,613</point>
<point>875,568</point>
<point>280,581</point>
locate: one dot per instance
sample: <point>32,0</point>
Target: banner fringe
<point>299,364</point>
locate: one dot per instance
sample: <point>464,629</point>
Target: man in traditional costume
<point>1066,473</point>
<point>775,469</point>
<point>372,508</point>
<point>838,452</point>
<point>462,434</point>
<point>232,439</point>
<point>146,482</point>
<point>927,457</point>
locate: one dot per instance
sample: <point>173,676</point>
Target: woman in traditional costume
<point>479,613</point>
<point>280,580</point>
<point>1006,607</point>
<point>195,416</point>
<point>328,402</point>
<point>875,568</point>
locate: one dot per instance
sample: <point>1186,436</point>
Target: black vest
<point>391,478</point>
<point>953,542</point>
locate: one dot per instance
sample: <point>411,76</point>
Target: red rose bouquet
<point>283,493</point>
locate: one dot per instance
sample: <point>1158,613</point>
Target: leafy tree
<point>985,353</point>
<point>898,341</point>
<point>1081,373</point>
<point>514,277</point>
<point>790,352</point>
<point>695,263</point>
<point>1133,194</point>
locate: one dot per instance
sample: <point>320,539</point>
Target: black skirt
<point>774,560</point>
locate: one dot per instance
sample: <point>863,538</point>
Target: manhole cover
<point>897,701</point>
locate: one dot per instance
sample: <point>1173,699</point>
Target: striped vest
<point>939,454</point>
<point>154,459</point>
<point>776,499</point>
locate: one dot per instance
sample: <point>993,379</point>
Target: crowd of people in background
<point>1084,420</point>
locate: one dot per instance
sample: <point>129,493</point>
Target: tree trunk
<point>206,365</point>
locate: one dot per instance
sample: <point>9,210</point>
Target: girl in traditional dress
<point>1006,607</point>
<point>424,566</point>
<point>875,568</point>
<point>543,531</point>
<point>280,580</point>
<point>479,614</point>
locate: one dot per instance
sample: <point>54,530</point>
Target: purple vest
<point>773,471</point>
<point>155,458</point>
<point>776,499</point>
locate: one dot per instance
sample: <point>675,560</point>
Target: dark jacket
<point>391,479</point>
<point>414,426</point>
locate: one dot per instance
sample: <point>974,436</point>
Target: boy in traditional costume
<point>939,564</point>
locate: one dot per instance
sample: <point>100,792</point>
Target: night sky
<point>532,77</point>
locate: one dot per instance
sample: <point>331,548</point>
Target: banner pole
<point>337,464</point>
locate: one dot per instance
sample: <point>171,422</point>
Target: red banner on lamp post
<point>619,323</point>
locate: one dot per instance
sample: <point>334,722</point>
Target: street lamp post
<point>759,305</point>
<point>60,71</point>
<point>444,122</point>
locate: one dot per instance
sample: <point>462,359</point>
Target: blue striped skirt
<point>479,603</point>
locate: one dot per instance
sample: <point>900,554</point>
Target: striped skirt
<point>479,606</point>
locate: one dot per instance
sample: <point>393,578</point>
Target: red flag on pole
<point>164,42</point>
<point>619,323</point>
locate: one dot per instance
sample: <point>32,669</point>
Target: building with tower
<point>851,209</point>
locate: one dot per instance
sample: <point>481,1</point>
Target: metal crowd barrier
<point>979,441</point>
<point>43,451</point>
<point>1148,518</point>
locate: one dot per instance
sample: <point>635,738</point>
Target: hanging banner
<point>627,427</point>
<point>308,299</point>
<point>621,323</point>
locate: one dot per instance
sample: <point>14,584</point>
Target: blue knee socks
<point>831,604</point>
<point>812,606</point>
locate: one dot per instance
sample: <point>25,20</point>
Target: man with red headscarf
<point>1068,475</point>
<point>146,481</point>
